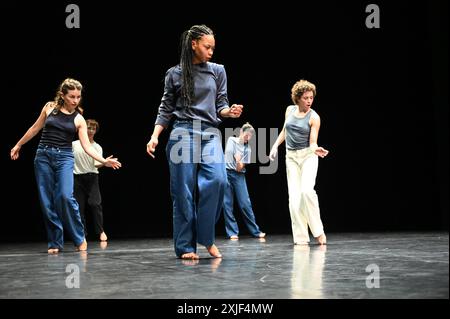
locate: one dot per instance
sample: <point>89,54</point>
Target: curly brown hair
<point>301,87</point>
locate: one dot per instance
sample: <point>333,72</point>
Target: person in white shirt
<point>86,184</point>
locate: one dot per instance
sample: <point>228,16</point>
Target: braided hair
<point>187,54</point>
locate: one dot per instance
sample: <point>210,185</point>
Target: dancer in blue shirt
<point>193,104</point>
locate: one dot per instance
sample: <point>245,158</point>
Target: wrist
<point>226,112</point>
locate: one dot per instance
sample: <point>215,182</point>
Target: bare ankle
<point>214,251</point>
<point>103,237</point>
<point>322,239</point>
<point>82,247</point>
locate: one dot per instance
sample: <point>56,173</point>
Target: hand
<point>273,153</point>
<point>15,152</point>
<point>235,110</point>
<point>151,146</point>
<point>112,162</point>
<point>320,151</point>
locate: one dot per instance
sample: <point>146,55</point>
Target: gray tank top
<point>297,130</point>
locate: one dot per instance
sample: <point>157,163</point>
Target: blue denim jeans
<point>197,183</point>
<point>53,168</point>
<point>237,186</point>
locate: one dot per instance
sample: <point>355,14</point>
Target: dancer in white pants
<point>301,131</point>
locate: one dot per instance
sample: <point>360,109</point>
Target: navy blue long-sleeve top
<point>210,95</point>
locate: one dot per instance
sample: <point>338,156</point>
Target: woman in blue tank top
<point>61,121</point>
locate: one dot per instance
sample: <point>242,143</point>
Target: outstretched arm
<point>33,130</point>
<point>89,149</point>
<point>96,163</point>
<point>281,137</point>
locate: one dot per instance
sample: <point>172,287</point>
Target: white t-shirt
<point>83,162</point>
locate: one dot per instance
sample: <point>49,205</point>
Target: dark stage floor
<point>351,266</point>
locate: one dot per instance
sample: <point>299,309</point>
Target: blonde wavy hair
<point>67,85</point>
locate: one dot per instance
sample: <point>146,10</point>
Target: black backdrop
<point>382,97</point>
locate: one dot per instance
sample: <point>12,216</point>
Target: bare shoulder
<point>315,115</point>
<point>48,107</point>
<point>289,109</point>
<point>315,119</point>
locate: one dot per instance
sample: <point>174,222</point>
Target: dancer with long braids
<point>194,103</point>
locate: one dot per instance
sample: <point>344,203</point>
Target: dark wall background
<point>382,97</point>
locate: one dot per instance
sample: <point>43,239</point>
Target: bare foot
<point>190,262</point>
<point>103,237</point>
<point>190,256</point>
<point>53,251</point>
<point>82,247</point>
<point>322,239</point>
<point>234,237</point>
<point>214,251</point>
